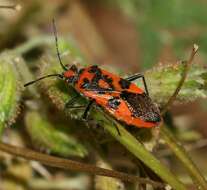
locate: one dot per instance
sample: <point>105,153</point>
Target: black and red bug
<point>118,96</point>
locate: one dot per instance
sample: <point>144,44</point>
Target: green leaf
<point>44,134</point>
<point>10,91</point>
<point>163,80</point>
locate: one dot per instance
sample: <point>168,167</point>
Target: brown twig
<point>73,165</point>
<point>182,80</point>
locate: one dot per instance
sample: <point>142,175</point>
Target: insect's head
<point>70,75</point>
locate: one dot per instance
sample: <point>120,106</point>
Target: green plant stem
<point>172,142</point>
<point>180,152</point>
<point>138,150</point>
<point>73,165</point>
<point>182,80</point>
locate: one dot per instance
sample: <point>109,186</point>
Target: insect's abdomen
<point>121,111</point>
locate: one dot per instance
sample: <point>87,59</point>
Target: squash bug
<point>118,96</point>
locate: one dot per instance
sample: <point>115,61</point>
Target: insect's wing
<point>141,106</point>
<point>128,109</point>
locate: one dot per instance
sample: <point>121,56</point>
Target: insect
<point>118,96</point>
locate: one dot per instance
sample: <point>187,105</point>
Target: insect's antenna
<point>56,44</point>
<point>34,81</point>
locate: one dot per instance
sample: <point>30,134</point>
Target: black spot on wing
<point>108,79</point>
<point>94,69</point>
<point>81,71</point>
<point>125,84</point>
<point>85,83</point>
<point>98,75</point>
<point>114,102</point>
<point>141,106</point>
<point>93,84</point>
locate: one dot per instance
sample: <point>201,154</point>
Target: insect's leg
<point>137,76</point>
<point>85,114</point>
<point>71,101</point>
<point>134,77</point>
